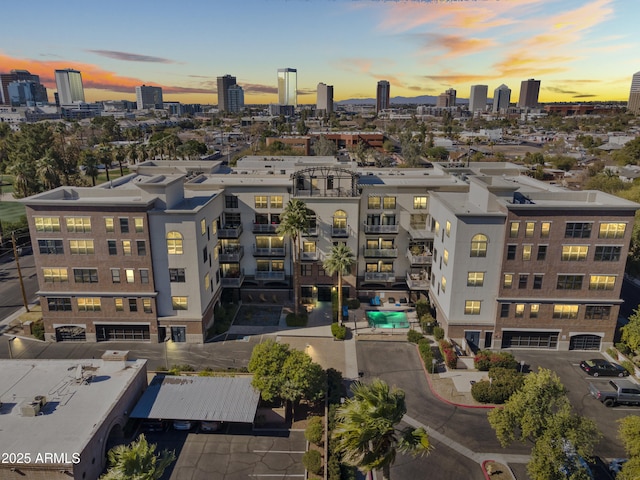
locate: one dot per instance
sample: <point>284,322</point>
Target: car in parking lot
<point>207,426</point>
<point>182,425</point>
<point>154,426</point>
<point>597,367</point>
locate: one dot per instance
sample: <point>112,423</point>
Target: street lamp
<point>9,344</point>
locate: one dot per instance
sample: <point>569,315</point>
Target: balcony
<point>381,252</point>
<point>423,258</point>
<point>265,227</point>
<point>309,256</point>
<point>232,279</point>
<point>310,232</point>
<point>379,277</point>
<point>380,228</point>
<point>417,281</point>
<point>268,252</point>
<point>339,232</point>
<point>231,255</point>
<point>266,275</point>
<point>229,231</point>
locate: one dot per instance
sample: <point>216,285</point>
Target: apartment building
<point>447,232</point>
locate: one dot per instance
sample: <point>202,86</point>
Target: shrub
<point>37,330</point>
<point>424,347</point>
<point>338,331</point>
<point>314,432</point>
<point>613,353</point>
<point>312,461</point>
<point>353,303</point>
<point>622,348</point>
<point>486,359</point>
<point>413,336</point>
<point>628,366</point>
<point>504,383</point>
<point>428,323</point>
<point>448,353</point>
<point>438,333</point>
<point>423,308</point>
<point>299,321</point>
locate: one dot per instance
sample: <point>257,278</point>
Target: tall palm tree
<point>119,155</point>
<point>339,261</point>
<point>293,222</point>
<point>137,460</point>
<point>366,431</point>
<point>90,164</point>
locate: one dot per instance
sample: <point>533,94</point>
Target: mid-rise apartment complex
<point>506,261</point>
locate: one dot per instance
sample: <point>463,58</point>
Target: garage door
<point>529,339</point>
<point>585,342</point>
<point>122,332</point>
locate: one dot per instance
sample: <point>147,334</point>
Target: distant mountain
<point>420,100</point>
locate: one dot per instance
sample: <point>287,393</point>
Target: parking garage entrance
<point>324,293</point>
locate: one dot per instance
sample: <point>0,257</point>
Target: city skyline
<point>580,50</point>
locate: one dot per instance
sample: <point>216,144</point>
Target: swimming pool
<point>387,319</point>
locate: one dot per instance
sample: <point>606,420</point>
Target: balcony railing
<point>381,252</point>
<point>380,276</point>
<point>268,252</point>
<point>335,192</point>
<point>310,256</point>
<point>380,228</point>
<point>339,232</point>
<point>265,275</point>
<point>417,281</point>
<point>231,254</point>
<point>310,232</point>
<point>230,231</point>
<point>265,227</point>
<point>423,258</point>
<point>233,279</point>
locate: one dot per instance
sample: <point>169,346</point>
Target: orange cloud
<point>455,45</point>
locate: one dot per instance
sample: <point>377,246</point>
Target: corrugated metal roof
<point>224,399</point>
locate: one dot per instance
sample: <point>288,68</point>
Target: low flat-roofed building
<point>58,418</point>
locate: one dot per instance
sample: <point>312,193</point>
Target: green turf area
<point>11,211</point>
<point>113,174</point>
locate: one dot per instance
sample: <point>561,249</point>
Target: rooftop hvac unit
<point>30,409</point>
<point>41,399</point>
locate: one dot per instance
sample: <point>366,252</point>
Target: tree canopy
<point>630,435</point>
<point>137,461</point>
<point>631,331</point>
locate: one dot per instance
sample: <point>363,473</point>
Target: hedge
<point>438,333</point>
<point>312,461</point>
<point>448,353</point>
<point>504,383</point>
<point>486,359</point>
<point>424,347</point>
<point>338,331</point>
<point>413,336</point>
<point>314,432</point>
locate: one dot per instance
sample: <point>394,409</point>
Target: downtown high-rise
<point>383,95</point>
<point>501,99</point>
<point>529,91</point>
<point>288,87</point>
<point>324,100</point>
<point>224,84</point>
<point>69,85</point>
<point>634,94</point>
<point>478,98</point>
<point>149,97</point>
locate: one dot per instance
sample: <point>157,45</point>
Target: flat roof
<point>223,399</point>
<point>75,408</point>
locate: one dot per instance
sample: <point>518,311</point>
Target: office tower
<point>447,99</point>
<point>235,99</point>
<point>69,85</point>
<point>18,76</point>
<point>383,95</point>
<point>27,93</point>
<point>478,98</point>
<point>529,91</point>
<point>324,102</point>
<point>148,97</point>
<point>224,83</point>
<point>634,94</point>
<point>501,98</point>
<point>288,86</point>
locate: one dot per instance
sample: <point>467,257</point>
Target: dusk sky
<point>581,50</point>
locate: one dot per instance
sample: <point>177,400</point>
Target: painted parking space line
<point>278,451</point>
<point>281,475</point>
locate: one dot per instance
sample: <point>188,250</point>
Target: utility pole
<point>15,255</point>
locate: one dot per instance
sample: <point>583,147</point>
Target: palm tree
<point>339,261</point>
<point>90,164</point>
<point>137,461</point>
<point>293,222</point>
<point>366,431</point>
<point>119,156</point>
<point>47,172</point>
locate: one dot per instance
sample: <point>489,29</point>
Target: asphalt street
<point>10,295</point>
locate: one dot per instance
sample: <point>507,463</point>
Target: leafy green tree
<point>266,365</point>
<point>630,435</point>
<point>339,261</point>
<point>303,378</point>
<point>629,154</point>
<point>324,147</point>
<point>137,461</point>
<point>563,162</point>
<point>365,432</point>
<point>605,182</point>
<point>631,331</point>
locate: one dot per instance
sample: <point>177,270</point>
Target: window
<point>577,230</point>
<point>472,307</point>
<point>78,224</point>
<point>203,226</point>
<point>138,223</point>
<point>542,252</point>
<point>146,305</point>
<point>230,201</point>
<point>141,246</point>
<point>522,281</point>
<point>115,275</point>
<point>126,247</point>
<point>205,254</point>
<point>612,230</point>
<point>519,310</point>
<point>109,225</point>
<point>374,202</point>
<point>507,280</point>
<point>389,203</point>
<point>475,279</point>
<point>504,310</point>
<point>565,311</point>
<point>47,224</point>
<point>58,304</point>
<point>529,228</point>
<point>52,275</point>
<point>174,243</point>
<point>418,221</point>
<point>420,203</point>
<point>179,303</point>
<point>569,282</point>
<point>214,226</point>
<point>511,252</point>
<point>112,246</point>
<point>602,282</point>
<point>119,303</point>
<point>545,228</point>
<point>575,252</point>
<point>232,220</point>
<point>81,247</point>
<point>526,252</point>
<point>436,227</point>
<point>276,201</point>
<point>443,282</point>
<point>479,245</point>
<point>597,312</point>
<point>305,270</point>
<point>445,256</point>
<point>447,228</point>
<point>144,276</point>
<point>537,282</point>
<point>50,247</point>
<point>124,225</point>
<point>207,281</point>
<point>607,253</point>
<point>88,304</point>
<point>177,275</point>
<point>130,275</point>
<point>261,201</point>
<point>133,305</point>
<point>534,309</point>
<point>85,275</point>
<point>514,228</point>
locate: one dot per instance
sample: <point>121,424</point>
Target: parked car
<point>182,425</point>
<point>154,426</point>
<point>210,426</point>
<point>599,367</point>
<point>621,392</point>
